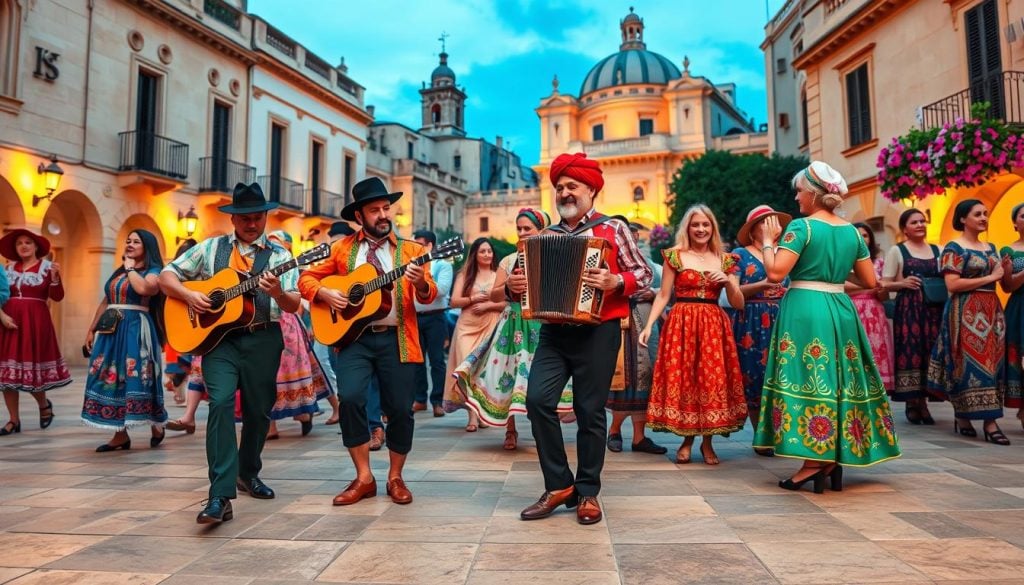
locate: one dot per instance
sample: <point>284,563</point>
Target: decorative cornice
<point>864,19</point>
<point>303,82</point>
<point>197,29</point>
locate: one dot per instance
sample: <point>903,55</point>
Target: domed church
<point>641,117</point>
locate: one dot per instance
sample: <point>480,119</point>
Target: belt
<point>260,326</point>
<point>432,312</point>
<point>381,328</point>
<point>124,307</point>
<point>696,300</point>
<point>825,287</point>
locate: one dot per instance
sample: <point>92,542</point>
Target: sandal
<point>996,437</point>
<point>10,428</point>
<point>333,420</point>
<point>44,421</point>
<point>511,437</point>
<point>177,425</point>
<point>471,428</point>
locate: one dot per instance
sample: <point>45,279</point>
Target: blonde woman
<point>697,387</point>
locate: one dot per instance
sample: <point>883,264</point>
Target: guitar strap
<point>222,260</point>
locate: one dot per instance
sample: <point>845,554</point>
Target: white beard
<point>567,209</point>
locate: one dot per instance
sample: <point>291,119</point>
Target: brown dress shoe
<point>589,511</point>
<point>548,502</point>
<point>398,491</point>
<point>376,439</point>
<point>356,491</point>
<point>418,406</point>
<point>438,411</point>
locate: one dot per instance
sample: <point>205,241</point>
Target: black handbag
<point>934,290</point>
<point>109,320</point>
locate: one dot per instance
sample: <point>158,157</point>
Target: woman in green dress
<point>823,399</point>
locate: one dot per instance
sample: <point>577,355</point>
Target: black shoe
<point>819,482</point>
<point>996,437</point>
<point>967,431</point>
<point>105,447</point>
<point>646,445</point>
<point>913,415</point>
<point>155,441</point>
<point>217,510</point>
<point>926,419</point>
<point>10,428</point>
<point>307,426</point>
<point>255,488</point>
<point>615,443</point>
<point>836,478</point>
<point>44,421</point>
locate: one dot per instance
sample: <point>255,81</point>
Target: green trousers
<point>246,361</point>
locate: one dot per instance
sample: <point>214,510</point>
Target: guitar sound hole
<point>216,299</point>
<point>356,294</point>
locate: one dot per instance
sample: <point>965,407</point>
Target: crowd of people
<point>789,328</point>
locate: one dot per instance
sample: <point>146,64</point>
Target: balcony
<point>431,172</point>
<point>325,203</point>
<point>220,175</point>
<point>1004,92</point>
<point>290,194</point>
<point>152,162</point>
<point>626,146</point>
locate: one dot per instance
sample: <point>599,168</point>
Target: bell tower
<point>443,103</point>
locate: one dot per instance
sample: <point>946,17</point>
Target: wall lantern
<point>52,174</point>
<point>187,223</point>
<point>910,201</point>
<point>638,196</point>
<point>308,242</point>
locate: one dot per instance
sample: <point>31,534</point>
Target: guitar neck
<point>389,277</point>
<point>252,283</point>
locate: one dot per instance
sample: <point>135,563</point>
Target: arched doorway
<point>992,194</point>
<point>12,214</point>
<point>75,231</point>
<point>136,222</point>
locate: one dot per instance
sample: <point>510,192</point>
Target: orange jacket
<point>343,260</point>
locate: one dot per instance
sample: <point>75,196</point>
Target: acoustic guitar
<point>231,307</point>
<point>365,287</point>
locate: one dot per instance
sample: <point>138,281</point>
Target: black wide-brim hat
<point>367,191</point>
<point>9,250</point>
<point>248,199</point>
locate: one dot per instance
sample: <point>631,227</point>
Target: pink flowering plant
<point>659,239</point>
<point>966,153</point>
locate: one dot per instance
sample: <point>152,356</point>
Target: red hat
<point>8,250</point>
<point>756,215</point>
<point>579,167</point>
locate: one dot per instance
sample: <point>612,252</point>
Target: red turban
<point>579,167</point>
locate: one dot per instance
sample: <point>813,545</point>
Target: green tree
<point>731,185</point>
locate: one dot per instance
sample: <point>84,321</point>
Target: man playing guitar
<point>246,358</point>
<point>389,348</point>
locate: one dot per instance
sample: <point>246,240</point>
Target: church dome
<point>632,64</point>
<point>442,70</point>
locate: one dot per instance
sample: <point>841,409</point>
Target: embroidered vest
<point>222,260</point>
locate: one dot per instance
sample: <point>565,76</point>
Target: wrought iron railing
<point>150,152</point>
<point>222,174</point>
<point>1004,94</point>
<point>219,10</point>
<point>280,41</point>
<point>318,65</point>
<point>288,193</point>
<point>324,203</point>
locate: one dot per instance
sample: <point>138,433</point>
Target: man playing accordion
<point>585,353</point>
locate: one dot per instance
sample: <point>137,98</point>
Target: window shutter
<point>858,105</point>
<point>864,99</point>
<point>984,59</point>
<point>852,108</point>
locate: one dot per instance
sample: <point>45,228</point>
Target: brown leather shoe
<point>589,511</point>
<point>548,502</point>
<point>376,439</point>
<point>398,491</point>
<point>438,411</point>
<point>356,491</point>
<point>419,406</point>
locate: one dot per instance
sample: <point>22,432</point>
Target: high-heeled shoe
<point>106,447</point>
<point>10,428</point>
<point>996,437</point>
<point>836,478</point>
<point>819,482</point>
<point>913,415</point>
<point>967,431</point>
<point>44,421</point>
<point>155,441</point>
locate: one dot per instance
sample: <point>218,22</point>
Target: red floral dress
<point>30,358</point>
<point>697,387</point>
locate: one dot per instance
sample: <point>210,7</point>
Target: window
<point>408,149</point>
<point>277,154</point>
<point>220,144</point>
<point>450,207</point>
<point>10,27</point>
<point>458,117</point>
<point>146,100</point>
<point>431,216</point>
<point>316,173</point>
<point>646,126</point>
<point>435,114</point>
<point>984,59</point>
<point>780,66</point>
<point>350,165</point>
<point>858,105</point>
<point>597,133</point>
<point>485,225</point>
<point>457,161</point>
<point>803,117</point>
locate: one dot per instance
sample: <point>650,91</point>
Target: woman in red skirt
<point>30,359</point>
<point>697,387</point>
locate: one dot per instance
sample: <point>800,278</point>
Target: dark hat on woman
<point>248,199</point>
<point>757,214</point>
<point>8,250</point>
<point>366,191</point>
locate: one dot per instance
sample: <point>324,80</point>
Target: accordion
<point>554,267</point>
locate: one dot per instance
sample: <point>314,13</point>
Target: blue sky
<point>505,52</point>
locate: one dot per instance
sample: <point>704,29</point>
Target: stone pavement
<point>951,510</point>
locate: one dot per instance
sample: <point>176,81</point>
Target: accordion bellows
<point>554,267</point>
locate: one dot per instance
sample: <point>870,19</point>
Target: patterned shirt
<point>630,258</point>
<point>198,263</point>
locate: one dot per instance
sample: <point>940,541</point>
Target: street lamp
<point>308,242</point>
<point>52,174</point>
<point>638,196</point>
<point>187,223</point>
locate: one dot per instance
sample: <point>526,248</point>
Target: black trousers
<point>355,365</point>
<point>587,355</point>
<point>433,333</point>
